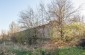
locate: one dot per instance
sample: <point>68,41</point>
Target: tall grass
<point>66,51</point>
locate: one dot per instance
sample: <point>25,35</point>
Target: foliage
<point>74,31</point>
<point>27,36</point>
<point>71,32</point>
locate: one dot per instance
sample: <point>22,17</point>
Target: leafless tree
<point>14,27</point>
<point>42,13</point>
<point>76,18</point>
<point>3,35</point>
<point>27,18</point>
<point>61,11</point>
<point>42,17</point>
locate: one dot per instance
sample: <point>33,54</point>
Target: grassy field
<point>65,51</point>
<point>72,51</point>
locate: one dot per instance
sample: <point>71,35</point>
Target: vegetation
<point>65,51</point>
<point>49,31</point>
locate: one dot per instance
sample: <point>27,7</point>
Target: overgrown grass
<point>72,51</point>
<point>65,51</point>
<point>20,52</point>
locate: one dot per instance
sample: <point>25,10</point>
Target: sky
<point>10,9</point>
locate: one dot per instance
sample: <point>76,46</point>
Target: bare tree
<point>14,27</point>
<point>27,18</point>
<point>76,18</point>
<point>42,13</point>
<point>43,17</point>
<point>3,35</point>
<point>61,11</point>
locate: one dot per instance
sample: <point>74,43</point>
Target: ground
<point>22,50</point>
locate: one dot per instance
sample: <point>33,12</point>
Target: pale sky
<point>10,9</point>
<point>80,3</point>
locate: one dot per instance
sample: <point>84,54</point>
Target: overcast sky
<point>10,9</point>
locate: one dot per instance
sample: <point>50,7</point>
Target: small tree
<point>4,36</point>
<point>28,21</point>
<point>14,27</point>
<point>13,30</point>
